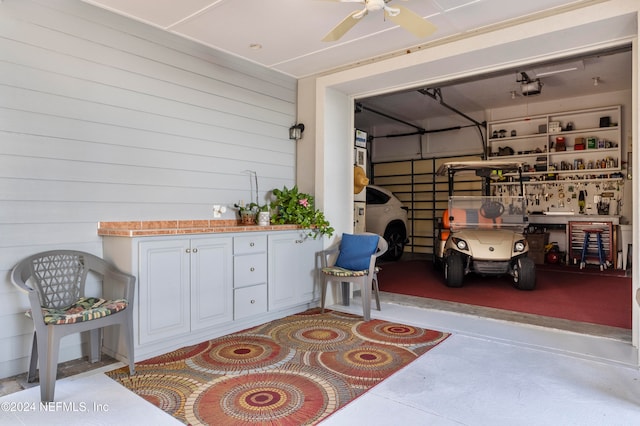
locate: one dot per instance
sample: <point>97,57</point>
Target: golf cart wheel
<point>524,274</point>
<point>454,270</point>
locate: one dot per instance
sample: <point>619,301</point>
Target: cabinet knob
<point>253,301</point>
<point>195,250</point>
<point>299,241</point>
<point>188,250</point>
<point>252,244</point>
<point>252,269</point>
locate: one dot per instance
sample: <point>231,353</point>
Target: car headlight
<point>519,246</point>
<point>461,244</point>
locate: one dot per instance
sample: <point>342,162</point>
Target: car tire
<point>395,235</point>
<point>524,274</point>
<point>454,270</point>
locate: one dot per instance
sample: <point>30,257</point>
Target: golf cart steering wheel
<point>491,209</point>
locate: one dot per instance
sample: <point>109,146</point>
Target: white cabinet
<point>163,290</point>
<point>184,285</point>
<point>566,143</point>
<point>250,301</point>
<point>193,288</point>
<point>292,279</point>
<point>250,275</point>
<point>211,273</point>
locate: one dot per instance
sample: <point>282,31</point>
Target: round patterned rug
<point>293,396</point>
<point>292,371</point>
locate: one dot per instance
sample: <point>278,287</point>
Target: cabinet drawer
<point>249,244</point>
<point>249,269</point>
<point>250,301</point>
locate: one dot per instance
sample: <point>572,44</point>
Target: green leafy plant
<point>247,212</point>
<point>252,207</point>
<point>294,207</point>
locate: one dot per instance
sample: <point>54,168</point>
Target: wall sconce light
<point>295,132</point>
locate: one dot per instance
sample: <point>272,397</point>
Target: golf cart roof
<point>458,166</point>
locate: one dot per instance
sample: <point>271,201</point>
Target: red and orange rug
<point>293,371</point>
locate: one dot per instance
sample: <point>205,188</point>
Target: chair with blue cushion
<point>355,263</point>
<point>55,283</point>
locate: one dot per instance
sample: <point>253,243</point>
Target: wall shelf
<point>536,139</point>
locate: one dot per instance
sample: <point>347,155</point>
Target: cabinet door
<point>163,295</point>
<point>250,301</point>
<point>211,281</point>
<point>292,269</point>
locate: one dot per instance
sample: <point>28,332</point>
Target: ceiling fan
<point>399,15</point>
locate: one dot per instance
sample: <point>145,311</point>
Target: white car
<point>386,216</point>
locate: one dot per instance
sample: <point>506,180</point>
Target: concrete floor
<point>491,371</point>
<point>17,383</point>
<point>503,368</point>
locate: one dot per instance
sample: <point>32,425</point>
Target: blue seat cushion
<point>356,251</point>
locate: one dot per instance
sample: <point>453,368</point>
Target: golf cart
<point>485,234</point>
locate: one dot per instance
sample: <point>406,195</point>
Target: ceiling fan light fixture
<point>399,15</point>
<point>392,11</point>
<point>375,4</point>
<point>359,15</point>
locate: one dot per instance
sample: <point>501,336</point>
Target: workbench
<point>572,225</point>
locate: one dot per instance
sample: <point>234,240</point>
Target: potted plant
<point>253,213</point>
<point>264,215</point>
<point>294,207</point>
<point>247,212</point>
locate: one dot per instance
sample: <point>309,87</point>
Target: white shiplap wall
<point>105,119</point>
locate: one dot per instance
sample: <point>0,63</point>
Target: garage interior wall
<point>406,165</point>
<point>424,193</point>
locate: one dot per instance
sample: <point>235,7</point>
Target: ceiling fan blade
<point>341,29</point>
<point>412,22</point>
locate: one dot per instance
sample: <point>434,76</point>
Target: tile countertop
<point>181,227</point>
